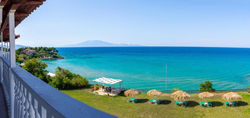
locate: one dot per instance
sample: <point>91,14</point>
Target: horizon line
<point>135,46</point>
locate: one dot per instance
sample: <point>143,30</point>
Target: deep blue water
<point>145,67</point>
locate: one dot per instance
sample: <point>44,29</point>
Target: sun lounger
<point>227,103</point>
<point>131,99</point>
<point>202,103</point>
<point>158,101</point>
<point>210,104</point>
<point>136,100</point>
<point>230,104</point>
<point>154,101</point>
<point>185,103</point>
<point>234,103</point>
<point>178,103</point>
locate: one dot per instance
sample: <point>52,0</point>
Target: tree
<point>64,79</point>
<point>79,82</point>
<point>26,53</point>
<point>206,86</point>
<point>20,58</point>
<point>37,68</point>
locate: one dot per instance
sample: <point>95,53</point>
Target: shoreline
<point>52,58</point>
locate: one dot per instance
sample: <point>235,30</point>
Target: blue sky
<point>216,23</point>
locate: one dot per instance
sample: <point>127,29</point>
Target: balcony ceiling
<point>23,9</point>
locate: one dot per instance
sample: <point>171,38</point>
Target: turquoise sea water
<point>145,67</point>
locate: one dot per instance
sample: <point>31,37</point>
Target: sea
<point>161,68</point>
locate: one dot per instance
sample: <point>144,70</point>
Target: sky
<point>209,23</point>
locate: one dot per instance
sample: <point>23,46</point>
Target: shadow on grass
<point>165,102</point>
<point>192,104</point>
<point>121,94</point>
<point>242,103</point>
<point>142,101</point>
<point>217,103</point>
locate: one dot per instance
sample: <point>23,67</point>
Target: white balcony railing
<point>29,97</point>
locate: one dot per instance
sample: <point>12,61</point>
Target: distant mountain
<point>17,46</point>
<point>98,43</point>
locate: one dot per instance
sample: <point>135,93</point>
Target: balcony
<point>28,97</point>
<point>22,95</point>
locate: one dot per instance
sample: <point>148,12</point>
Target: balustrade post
<point>3,49</point>
<point>12,59</point>
<point>8,50</point>
<point>7,55</point>
<point>1,52</point>
<point>1,44</point>
<point>1,16</point>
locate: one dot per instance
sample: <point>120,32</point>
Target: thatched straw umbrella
<point>205,95</point>
<point>231,96</point>
<point>154,93</point>
<point>180,95</point>
<point>132,92</point>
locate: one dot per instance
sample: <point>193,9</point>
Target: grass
<point>119,106</point>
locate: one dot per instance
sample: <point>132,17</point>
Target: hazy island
<point>44,53</point>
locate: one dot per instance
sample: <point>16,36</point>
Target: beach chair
<point>159,102</point>
<point>202,103</point>
<point>178,103</point>
<point>227,103</point>
<point>234,103</point>
<point>153,101</point>
<point>136,100</point>
<point>185,103</point>
<point>210,104</point>
<point>131,99</point>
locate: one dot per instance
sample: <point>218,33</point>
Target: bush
<point>79,82</point>
<point>207,86</point>
<point>37,68</point>
<point>64,79</point>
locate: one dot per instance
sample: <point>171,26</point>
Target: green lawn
<point>119,106</point>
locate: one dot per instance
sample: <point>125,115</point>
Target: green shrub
<point>79,82</point>
<point>37,68</point>
<point>207,86</point>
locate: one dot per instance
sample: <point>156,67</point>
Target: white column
<point>4,49</point>
<point>2,44</point>
<point>12,38</point>
<point>1,13</point>
<point>1,36</point>
<point>8,50</point>
<point>1,54</point>
<point>1,17</point>
<point>12,59</point>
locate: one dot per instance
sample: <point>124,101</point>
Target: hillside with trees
<point>26,53</point>
<point>63,79</point>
